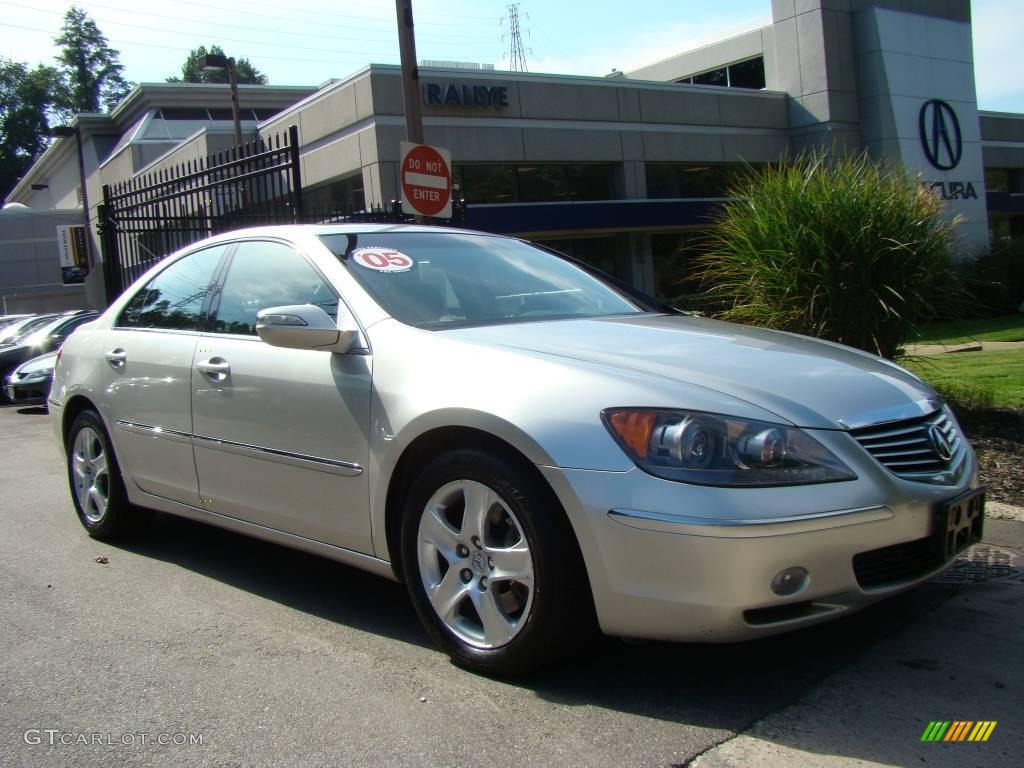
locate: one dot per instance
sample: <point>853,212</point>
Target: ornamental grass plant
<point>842,248</point>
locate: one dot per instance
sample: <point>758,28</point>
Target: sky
<point>311,41</point>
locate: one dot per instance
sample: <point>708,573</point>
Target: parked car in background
<point>38,339</point>
<point>7,320</point>
<point>529,444</point>
<point>30,382</point>
<point>23,325</point>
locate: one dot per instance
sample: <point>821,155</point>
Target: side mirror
<point>303,326</point>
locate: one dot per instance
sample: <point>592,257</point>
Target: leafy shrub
<point>843,248</point>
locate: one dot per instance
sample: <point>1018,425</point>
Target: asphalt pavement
<point>196,646</point>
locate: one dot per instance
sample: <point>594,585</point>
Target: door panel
<point>280,439</point>
<point>280,434</point>
<point>147,375</point>
<point>149,400</point>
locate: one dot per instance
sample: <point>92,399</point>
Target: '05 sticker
<point>382,259</point>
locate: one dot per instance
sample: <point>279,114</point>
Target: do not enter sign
<point>426,180</point>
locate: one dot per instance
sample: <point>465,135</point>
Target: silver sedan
<point>535,449</point>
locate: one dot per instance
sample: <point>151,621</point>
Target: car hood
<point>808,382</point>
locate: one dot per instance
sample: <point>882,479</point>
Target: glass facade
<point>345,195</point>
<point>682,180</point>
<point>742,74</point>
<point>672,255</point>
<point>535,183</point>
<point>600,252</point>
<point>1004,180</point>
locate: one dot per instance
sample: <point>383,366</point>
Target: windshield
<point>442,279</point>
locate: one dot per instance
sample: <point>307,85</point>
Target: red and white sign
<point>426,180</point>
<point>382,259</point>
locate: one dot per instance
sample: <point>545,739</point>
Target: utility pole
<point>410,72</point>
<point>516,52</point>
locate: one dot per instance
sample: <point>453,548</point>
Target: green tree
<point>90,71</point>
<point>26,96</point>
<point>191,73</point>
<point>843,248</point>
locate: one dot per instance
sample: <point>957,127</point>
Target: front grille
<point>908,449</point>
<point>897,563</point>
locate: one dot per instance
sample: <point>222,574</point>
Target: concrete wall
<point>30,274</point>
<point>904,60</point>
<point>547,119</point>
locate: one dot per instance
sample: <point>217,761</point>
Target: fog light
<point>789,581</point>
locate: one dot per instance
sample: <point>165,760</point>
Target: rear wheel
<point>492,565</point>
<point>97,489</point>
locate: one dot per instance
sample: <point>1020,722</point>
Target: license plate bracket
<point>958,523</point>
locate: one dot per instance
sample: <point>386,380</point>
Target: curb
<point>995,510</point>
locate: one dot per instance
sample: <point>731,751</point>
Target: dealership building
<point>621,171</point>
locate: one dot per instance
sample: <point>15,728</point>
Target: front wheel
<point>492,565</point>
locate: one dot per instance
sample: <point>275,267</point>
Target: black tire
<point>92,480</point>
<point>545,622</point>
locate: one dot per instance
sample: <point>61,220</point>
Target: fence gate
<point>151,215</point>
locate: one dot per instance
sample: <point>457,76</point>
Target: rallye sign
<point>451,95</point>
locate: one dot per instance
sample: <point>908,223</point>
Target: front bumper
<point>673,561</point>
<point>27,392</point>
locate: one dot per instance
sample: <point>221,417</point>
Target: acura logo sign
<point>940,135</point>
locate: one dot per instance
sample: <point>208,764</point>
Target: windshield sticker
<point>382,259</point>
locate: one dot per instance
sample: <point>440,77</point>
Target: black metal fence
<point>148,216</point>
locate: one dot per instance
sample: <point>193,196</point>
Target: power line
<point>388,39</point>
<point>186,51</point>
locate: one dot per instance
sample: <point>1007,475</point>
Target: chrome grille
<point>907,448</point>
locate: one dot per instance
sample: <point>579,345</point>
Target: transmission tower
<point>516,52</point>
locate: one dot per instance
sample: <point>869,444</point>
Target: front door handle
<point>217,368</point>
<point>116,357</point>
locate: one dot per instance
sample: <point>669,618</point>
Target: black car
<point>30,382</point>
<point>40,340</point>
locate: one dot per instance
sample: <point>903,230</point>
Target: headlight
<point>709,449</point>
<point>34,376</point>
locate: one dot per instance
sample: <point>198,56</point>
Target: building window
<point>747,74</point>
<point>600,252</point>
<point>672,255</point>
<point>339,197</point>
<point>714,77</point>
<point>681,180</point>
<point>742,74</point>
<point>537,183</point>
<point>1004,180</point>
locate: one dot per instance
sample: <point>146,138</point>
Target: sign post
<point>426,174</point>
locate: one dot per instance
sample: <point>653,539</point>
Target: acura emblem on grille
<point>940,442</point>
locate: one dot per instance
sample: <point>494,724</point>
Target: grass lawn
<point>1010,328</point>
<point>975,379</point>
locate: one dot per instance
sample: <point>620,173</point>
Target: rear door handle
<point>116,357</point>
<point>217,368</point>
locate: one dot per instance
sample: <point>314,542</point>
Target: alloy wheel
<point>90,474</point>
<point>475,564</point>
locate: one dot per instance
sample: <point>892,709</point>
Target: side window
<point>266,274</point>
<point>174,298</point>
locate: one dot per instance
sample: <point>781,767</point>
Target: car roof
<point>57,321</point>
<point>291,231</point>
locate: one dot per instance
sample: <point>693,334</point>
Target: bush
<point>842,248</point>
